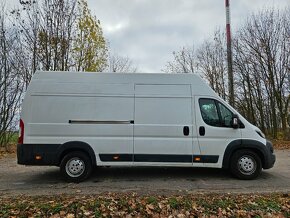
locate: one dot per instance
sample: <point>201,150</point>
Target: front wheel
<point>76,166</point>
<point>246,164</point>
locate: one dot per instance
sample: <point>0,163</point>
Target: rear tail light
<point>21,132</point>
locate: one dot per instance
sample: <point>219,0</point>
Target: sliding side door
<point>163,129</point>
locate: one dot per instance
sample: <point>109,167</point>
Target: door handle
<point>186,130</point>
<point>201,130</point>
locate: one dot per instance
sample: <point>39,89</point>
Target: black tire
<point>76,166</point>
<point>246,164</point>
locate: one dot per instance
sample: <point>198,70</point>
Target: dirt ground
<point>33,180</point>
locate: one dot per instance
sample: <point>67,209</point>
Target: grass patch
<point>152,200</point>
<point>174,203</point>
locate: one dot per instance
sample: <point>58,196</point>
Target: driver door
<point>214,129</point>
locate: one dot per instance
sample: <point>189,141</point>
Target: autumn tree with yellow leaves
<point>89,50</point>
<point>60,35</point>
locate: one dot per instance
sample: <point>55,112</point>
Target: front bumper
<point>270,157</point>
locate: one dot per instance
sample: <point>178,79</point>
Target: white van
<point>79,120</point>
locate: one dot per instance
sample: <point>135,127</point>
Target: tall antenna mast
<point>229,54</point>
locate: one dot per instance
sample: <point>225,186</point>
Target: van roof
<point>43,80</point>
<point>140,78</point>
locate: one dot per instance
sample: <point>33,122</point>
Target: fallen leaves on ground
<point>10,152</point>
<point>280,144</point>
<point>133,205</point>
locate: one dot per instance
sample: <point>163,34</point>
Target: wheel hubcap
<point>75,167</point>
<point>247,165</point>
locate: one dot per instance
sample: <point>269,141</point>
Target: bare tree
<point>47,29</point>
<point>211,58</point>
<point>261,65</point>
<point>184,61</point>
<point>121,64</point>
<point>262,54</point>
<point>10,83</point>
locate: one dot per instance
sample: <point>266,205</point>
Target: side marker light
<point>197,158</point>
<point>38,157</point>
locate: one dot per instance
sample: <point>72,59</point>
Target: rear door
<point>163,129</point>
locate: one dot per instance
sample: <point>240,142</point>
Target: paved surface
<point>17,179</point>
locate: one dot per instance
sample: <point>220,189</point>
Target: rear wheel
<point>76,166</point>
<point>245,164</point>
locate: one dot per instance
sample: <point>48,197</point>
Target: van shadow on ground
<point>143,174</point>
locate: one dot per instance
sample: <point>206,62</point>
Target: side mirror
<point>235,121</point>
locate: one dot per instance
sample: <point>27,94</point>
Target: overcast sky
<point>148,31</point>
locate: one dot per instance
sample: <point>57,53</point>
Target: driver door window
<point>209,112</point>
<point>215,113</point>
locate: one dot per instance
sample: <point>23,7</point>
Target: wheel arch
<point>239,144</point>
<point>76,146</point>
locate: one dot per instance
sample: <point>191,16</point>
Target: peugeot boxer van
<point>80,120</point>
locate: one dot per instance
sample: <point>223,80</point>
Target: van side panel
<point>98,114</point>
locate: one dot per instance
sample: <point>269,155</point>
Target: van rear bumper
<point>35,154</point>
